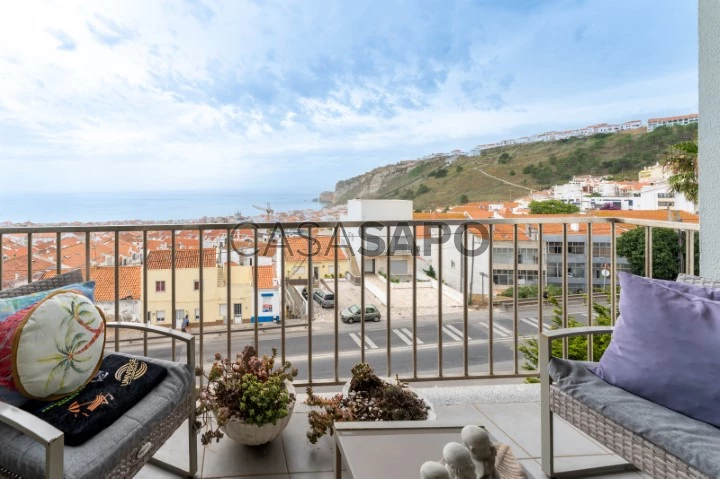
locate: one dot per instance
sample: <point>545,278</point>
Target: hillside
<point>443,179</point>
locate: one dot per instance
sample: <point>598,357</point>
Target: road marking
<point>410,335</point>
<point>369,342</point>
<point>534,323</point>
<point>454,332</point>
<point>400,335</point>
<point>499,330</point>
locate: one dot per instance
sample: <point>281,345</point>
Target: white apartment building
<point>652,174</point>
<point>672,120</point>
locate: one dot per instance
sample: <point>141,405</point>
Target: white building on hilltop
<point>672,120</point>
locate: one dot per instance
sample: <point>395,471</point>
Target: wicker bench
<point>631,446</point>
<point>123,448</point>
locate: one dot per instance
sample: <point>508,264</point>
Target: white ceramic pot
<point>254,435</point>
<point>431,411</point>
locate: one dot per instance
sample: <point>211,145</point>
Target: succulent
<point>369,399</point>
<point>249,388</point>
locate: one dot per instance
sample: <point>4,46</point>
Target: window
<point>554,270</point>
<point>576,270</point>
<point>528,255</point>
<point>527,276</point>
<point>502,255</point>
<point>159,286</point>
<point>237,309</point>
<point>576,247</point>
<point>601,249</point>
<point>160,316</point>
<point>196,285</point>
<point>502,276</point>
<point>197,314</point>
<point>554,247</point>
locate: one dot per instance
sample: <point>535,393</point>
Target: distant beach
<point>146,206</point>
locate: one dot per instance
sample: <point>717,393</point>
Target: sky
<point>145,95</point>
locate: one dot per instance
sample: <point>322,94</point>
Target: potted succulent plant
<point>248,399</point>
<point>366,397</point>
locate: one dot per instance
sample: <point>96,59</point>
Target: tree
<point>464,199</point>
<point>666,248</point>
<point>422,189</point>
<point>430,272</point>
<point>682,162</point>
<point>577,345</point>
<point>504,158</point>
<point>512,172</point>
<point>552,207</point>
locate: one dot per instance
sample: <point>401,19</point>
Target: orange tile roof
<point>671,118</point>
<point>104,277</point>
<point>298,249</point>
<point>266,277</point>
<point>187,258</point>
<point>657,215</point>
<point>15,269</point>
<point>434,215</point>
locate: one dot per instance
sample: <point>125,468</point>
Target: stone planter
<point>431,411</point>
<point>254,435</point>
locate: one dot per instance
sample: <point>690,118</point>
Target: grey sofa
<point>661,442</point>
<point>31,448</point>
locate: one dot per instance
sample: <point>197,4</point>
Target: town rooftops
<point>673,118</point>
<point>104,276</point>
<point>321,249</point>
<point>188,258</point>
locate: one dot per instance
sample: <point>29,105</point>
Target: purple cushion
<point>666,348</point>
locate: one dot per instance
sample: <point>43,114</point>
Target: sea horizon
<point>54,208</point>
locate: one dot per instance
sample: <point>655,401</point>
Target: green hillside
<point>443,180</point>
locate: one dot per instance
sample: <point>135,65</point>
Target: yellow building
<point>322,250</point>
<point>187,289</point>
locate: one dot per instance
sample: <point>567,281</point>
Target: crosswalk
<point>534,323</point>
<point>405,335</point>
<point>498,330</point>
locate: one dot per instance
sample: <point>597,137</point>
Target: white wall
<point>709,142</point>
<point>379,210</point>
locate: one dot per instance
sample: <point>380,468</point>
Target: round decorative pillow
<point>57,346</point>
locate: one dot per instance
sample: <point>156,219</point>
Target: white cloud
<point>157,95</point>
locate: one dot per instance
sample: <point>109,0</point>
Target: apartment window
<point>196,285</point>
<point>576,270</point>
<point>299,270</point>
<point>237,309</point>
<point>159,286</point>
<point>666,204</point>
<point>160,316</point>
<point>503,276</point>
<point>554,270</point>
<point>503,255</point>
<point>554,247</point>
<point>527,276</point>
<point>527,255</point>
<point>576,247</point>
<point>601,249</point>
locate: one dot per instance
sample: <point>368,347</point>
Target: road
<point>349,340</point>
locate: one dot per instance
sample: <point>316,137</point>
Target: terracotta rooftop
<point>672,118</point>
<point>104,277</point>
<point>266,277</point>
<point>657,215</point>
<point>321,250</point>
<point>188,258</point>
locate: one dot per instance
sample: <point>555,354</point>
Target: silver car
<point>352,314</point>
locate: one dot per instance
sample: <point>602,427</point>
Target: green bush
<point>577,345</point>
<point>531,291</point>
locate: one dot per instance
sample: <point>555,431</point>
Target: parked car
<point>325,299</point>
<point>352,314</point>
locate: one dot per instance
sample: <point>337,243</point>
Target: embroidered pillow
<point>119,385</point>
<point>11,312</point>
<point>56,346</point>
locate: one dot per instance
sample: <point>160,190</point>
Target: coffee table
<point>391,449</point>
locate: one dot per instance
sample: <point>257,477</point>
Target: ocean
<point>148,206</point>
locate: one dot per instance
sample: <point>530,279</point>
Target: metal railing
<point>437,344</point>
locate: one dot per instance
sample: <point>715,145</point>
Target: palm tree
<point>682,162</point>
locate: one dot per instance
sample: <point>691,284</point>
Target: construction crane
<point>268,211</point>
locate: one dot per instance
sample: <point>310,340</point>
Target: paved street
<point>350,340</point>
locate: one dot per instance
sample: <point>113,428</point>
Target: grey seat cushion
<point>100,454</point>
<point>694,442</point>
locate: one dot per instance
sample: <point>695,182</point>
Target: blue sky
<point>250,94</point>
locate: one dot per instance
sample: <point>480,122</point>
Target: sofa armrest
<point>50,437</point>
<point>546,339</point>
<point>188,339</point>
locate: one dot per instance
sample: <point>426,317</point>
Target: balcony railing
<point>433,344</point>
